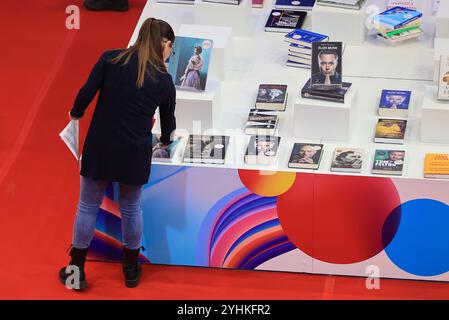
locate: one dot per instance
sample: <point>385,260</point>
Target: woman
<point>191,77</point>
<point>132,84</point>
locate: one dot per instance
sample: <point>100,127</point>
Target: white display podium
<point>434,117</point>
<point>219,14</point>
<point>344,25</point>
<point>221,37</point>
<point>441,48</point>
<point>319,119</point>
<point>195,111</point>
<point>442,20</point>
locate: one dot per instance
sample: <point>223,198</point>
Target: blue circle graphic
<point>421,243</point>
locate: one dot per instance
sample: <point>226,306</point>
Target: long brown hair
<point>149,48</point>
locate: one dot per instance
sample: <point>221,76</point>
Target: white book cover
<point>443,82</point>
<point>70,135</point>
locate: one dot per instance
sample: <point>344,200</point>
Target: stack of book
<point>398,24</point>
<point>344,4</point>
<point>300,48</point>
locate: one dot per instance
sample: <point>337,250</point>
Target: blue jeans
<point>91,196</point>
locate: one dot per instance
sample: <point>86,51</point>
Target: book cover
<point>294,4</point>
<point>347,160</point>
<point>306,156</point>
<point>335,95</point>
<point>436,165</point>
<point>189,63</point>
<point>409,4</point>
<point>285,20</point>
<point>394,103</point>
<point>257,3</point>
<point>304,37</point>
<point>390,131</point>
<point>326,65</point>
<point>206,149</point>
<point>443,81</point>
<point>271,93</point>
<point>388,162</point>
<point>345,4</point>
<point>261,122</point>
<point>163,153</point>
<point>262,150</point>
<point>396,17</point>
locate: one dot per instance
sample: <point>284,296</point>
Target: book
<point>400,37</point>
<point>335,95</point>
<point>390,131</point>
<point>261,122</point>
<point>301,55</point>
<point>177,1</point>
<point>396,17</point>
<point>347,160</point>
<point>161,153</point>
<point>257,3</point>
<point>409,4</point>
<point>234,2</point>
<point>345,4</point>
<point>443,81</point>
<point>285,20</point>
<point>306,156</point>
<point>326,65</point>
<point>394,103</point>
<point>436,166</point>
<point>300,59</point>
<point>272,97</point>
<point>262,150</point>
<point>385,30</point>
<point>210,149</point>
<point>294,4</point>
<point>305,38</point>
<point>389,162</point>
<point>298,49</point>
<point>189,63</point>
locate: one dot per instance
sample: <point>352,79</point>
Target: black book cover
<point>335,94</point>
<point>326,65</point>
<point>272,93</point>
<point>206,148</point>
<point>266,146</point>
<point>286,19</point>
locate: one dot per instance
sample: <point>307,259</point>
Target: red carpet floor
<point>42,67</point>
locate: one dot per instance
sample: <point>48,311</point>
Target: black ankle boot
<point>132,269</point>
<point>102,5</point>
<point>78,258</point>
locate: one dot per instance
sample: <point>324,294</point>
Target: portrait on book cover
<point>189,63</point>
<point>348,159</point>
<point>326,66</point>
<point>306,153</point>
<point>395,99</point>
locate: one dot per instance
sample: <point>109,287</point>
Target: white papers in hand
<point>70,135</point>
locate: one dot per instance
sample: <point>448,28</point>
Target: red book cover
<point>257,3</point>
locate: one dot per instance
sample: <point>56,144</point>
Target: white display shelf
<point>371,68</point>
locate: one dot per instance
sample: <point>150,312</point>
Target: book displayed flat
<point>388,162</point>
<point>327,65</point>
<point>177,1</point>
<point>396,17</point>
<point>294,4</point>
<point>347,160</point>
<point>345,4</point>
<point>306,156</point>
<point>164,153</point>
<point>298,49</point>
<point>189,63</point>
<point>291,63</point>
<point>300,59</point>
<point>261,122</point>
<point>272,97</point>
<point>394,103</point>
<point>285,20</point>
<point>443,79</point>
<point>436,166</point>
<point>257,3</point>
<point>335,95</point>
<point>390,131</point>
<point>409,4</point>
<point>400,37</point>
<point>262,150</point>
<point>210,149</point>
<point>234,2</point>
<point>305,38</point>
